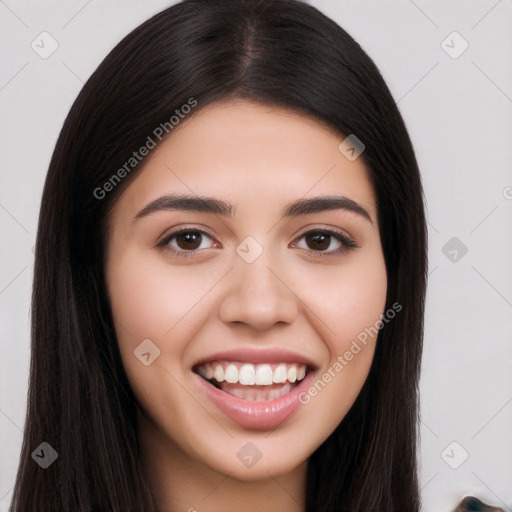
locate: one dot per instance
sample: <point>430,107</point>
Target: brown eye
<point>188,240</point>
<point>318,241</point>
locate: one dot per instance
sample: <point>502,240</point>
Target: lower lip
<point>262,415</point>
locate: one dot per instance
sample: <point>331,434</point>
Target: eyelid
<point>164,240</point>
<point>169,233</point>
<point>328,229</point>
<point>347,242</point>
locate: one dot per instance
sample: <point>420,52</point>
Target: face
<point>241,316</point>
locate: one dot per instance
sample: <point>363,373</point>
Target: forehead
<point>251,154</point>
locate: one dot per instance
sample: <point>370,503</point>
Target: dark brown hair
<point>278,52</point>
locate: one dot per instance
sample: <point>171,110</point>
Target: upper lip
<point>257,356</point>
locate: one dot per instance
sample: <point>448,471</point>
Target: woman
<point>274,365</point>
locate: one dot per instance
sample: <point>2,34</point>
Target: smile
<point>258,395</point>
<point>254,382</point>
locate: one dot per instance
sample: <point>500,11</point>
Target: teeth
<point>208,371</point>
<point>249,374</point>
<point>218,373</point>
<point>258,395</point>
<point>280,374</point>
<point>231,374</point>
<point>263,375</point>
<point>292,373</point>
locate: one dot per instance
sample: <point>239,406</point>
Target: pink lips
<point>251,414</point>
<point>257,415</point>
<point>257,356</point>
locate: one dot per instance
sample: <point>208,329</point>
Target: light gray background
<point>459,115</point>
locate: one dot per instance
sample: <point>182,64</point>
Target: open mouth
<point>253,382</point>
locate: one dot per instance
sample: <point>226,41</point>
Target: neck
<point>181,483</point>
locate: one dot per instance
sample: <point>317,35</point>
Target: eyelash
<point>347,243</point>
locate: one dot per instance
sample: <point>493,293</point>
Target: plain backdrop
<point>457,104</point>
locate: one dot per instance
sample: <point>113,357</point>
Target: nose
<point>258,295</point>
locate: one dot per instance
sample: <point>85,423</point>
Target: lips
<point>255,388</point>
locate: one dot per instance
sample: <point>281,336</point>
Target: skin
<point>258,158</point>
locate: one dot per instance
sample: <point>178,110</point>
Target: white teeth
<point>218,373</point>
<point>249,374</point>
<point>208,371</point>
<point>263,375</point>
<point>231,374</point>
<point>292,373</point>
<point>258,395</point>
<point>280,375</point>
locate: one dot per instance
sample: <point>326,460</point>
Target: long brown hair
<point>278,52</point>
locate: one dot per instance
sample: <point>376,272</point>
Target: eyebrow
<point>205,204</point>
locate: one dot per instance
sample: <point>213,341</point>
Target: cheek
<point>347,299</point>
<point>348,302</point>
<point>360,302</point>
<point>151,300</point>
